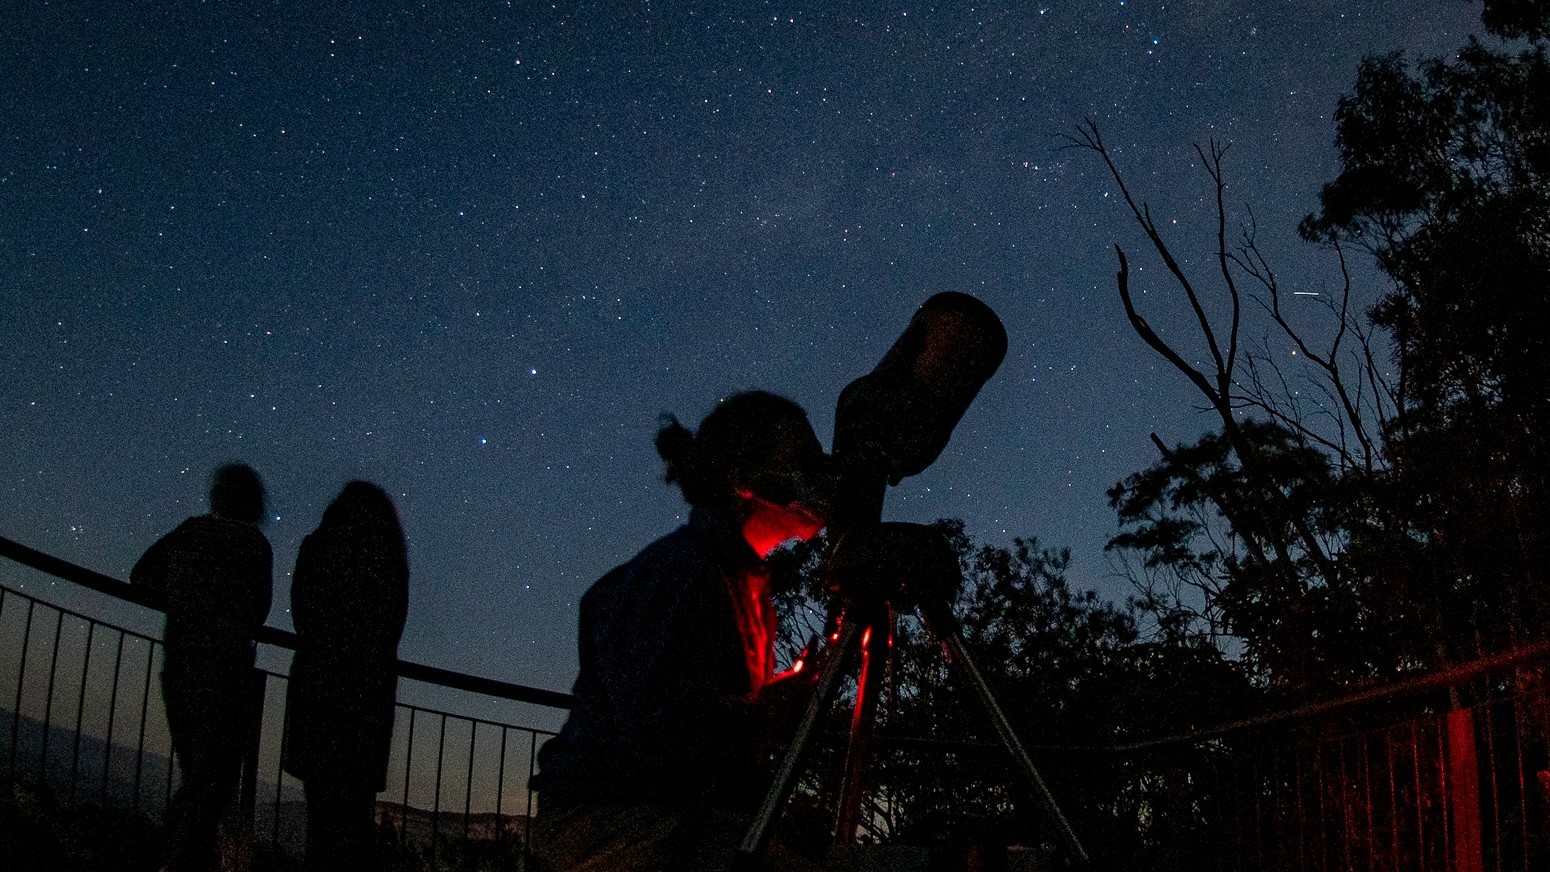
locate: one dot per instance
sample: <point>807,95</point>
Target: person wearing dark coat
<point>212,576</point>
<point>349,601</point>
<point>666,752</point>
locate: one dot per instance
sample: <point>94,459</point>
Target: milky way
<point>472,253</point>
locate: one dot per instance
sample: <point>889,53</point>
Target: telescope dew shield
<point>894,421</point>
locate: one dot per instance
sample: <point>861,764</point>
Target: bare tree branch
<point>1220,394</point>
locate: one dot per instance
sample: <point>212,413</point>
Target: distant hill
<point>278,820</point>
<point>83,765</point>
<point>483,827</point>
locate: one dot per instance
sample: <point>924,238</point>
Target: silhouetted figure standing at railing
<point>349,600</point>
<point>213,577</point>
<point>664,757</point>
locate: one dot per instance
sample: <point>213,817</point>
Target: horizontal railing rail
<point>107,584</point>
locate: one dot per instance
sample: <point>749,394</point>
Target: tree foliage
<point>1374,509</point>
<point>1446,180</point>
<point>1074,679</point>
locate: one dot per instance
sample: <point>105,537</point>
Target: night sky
<point>470,251</point>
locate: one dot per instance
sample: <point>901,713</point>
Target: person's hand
<point>786,698</point>
<point>781,704</point>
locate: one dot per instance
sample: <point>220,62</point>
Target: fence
<point>1397,779</point>
<point>1446,771</point>
<point>1451,788</point>
<point>85,719</point>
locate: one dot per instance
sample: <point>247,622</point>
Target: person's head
<point>362,505</point>
<point>236,492</point>
<point>755,451</point>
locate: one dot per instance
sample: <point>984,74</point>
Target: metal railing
<point>81,715</point>
<point>1464,788</point>
<point>1447,770</point>
<point>1417,783</point>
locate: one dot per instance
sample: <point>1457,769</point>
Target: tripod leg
<point>758,836</point>
<point>863,722</point>
<point>945,628</point>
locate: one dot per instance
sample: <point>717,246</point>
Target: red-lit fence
<point>1461,789</point>
<point>1447,772</point>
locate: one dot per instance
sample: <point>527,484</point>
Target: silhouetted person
<point>213,577</point>
<point>349,599</point>
<point>665,754</point>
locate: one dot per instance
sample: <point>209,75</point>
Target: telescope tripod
<point>865,625</point>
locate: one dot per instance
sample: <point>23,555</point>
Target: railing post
<point>527,828</point>
<point>80,711</point>
<point>21,682</point>
<point>468,785</point>
<point>500,793</point>
<point>403,821</point>
<point>107,748</point>
<point>145,709</point>
<point>441,753</point>
<point>1464,792</point>
<point>48,704</point>
<point>279,786</point>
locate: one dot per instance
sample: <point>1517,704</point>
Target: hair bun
<point>674,442</point>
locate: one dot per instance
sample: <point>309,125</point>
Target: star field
<point>471,253</point>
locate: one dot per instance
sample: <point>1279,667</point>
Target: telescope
<point>894,421</point>
<point>890,424</point>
